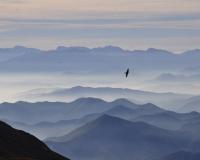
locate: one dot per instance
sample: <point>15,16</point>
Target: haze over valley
<point>32,71</point>
<point>77,99</point>
<point>99,80</point>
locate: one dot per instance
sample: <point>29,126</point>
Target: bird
<point>127,72</point>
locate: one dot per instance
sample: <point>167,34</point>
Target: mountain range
<point>113,138</point>
<point>10,53</point>
<point>85,60</point>
<point>58,119</point>
<point>91,128</point>
<point>98,123</point>
<point>168,100</point>
<point>54,111</point>
<point>45,119</point>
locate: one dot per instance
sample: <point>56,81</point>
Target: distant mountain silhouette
<point>124,102</point>
<point>107,93</point>
<point>121,111</point>
<point>58,119</point>
<point>131,113</point>
<point>18,145</point>
<point>168,120</point>
<point>191,104</point>
<point>10,53</point>
<point>47,129</point>
<point>115,139</point>
<point>56,111</point>
<point>83,60</point>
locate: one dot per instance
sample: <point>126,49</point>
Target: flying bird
<point>127,73</point>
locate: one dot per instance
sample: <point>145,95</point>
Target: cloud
<point>124,22</point>
<point>13,1</point>
<point>179,24</point>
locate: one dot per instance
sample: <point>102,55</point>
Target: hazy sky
<point>132,24</point>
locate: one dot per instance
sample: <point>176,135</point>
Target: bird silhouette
<point>127,73</point>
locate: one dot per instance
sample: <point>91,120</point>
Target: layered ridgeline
<point>55,111</point>
<point>10,53</point>
<point>85,60</point>
<point>192,104</point>
<point>49,119</point>
<point>171,101</point>
<point>18,145</point>
<point>115,139</point>
<point>91,128</point>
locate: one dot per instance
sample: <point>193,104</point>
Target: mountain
<point>194,69</point>
<point>32,112</point>
<point>167,100</point>
<point>124,102</point>
<point>162,120</point>
<point>10,53</point>
<point>122,112</point>
<point>55,111</point>
<point>131,113</point>
<point>147,113</point>
<point>83,60</point>
<point>114,139</point>
<point>182,155</point>
<point>16,144</point>
<point>168,120</point>
<point>191,104</point>
<point>46,129</point>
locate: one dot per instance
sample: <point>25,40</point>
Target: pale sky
<point>131,24</point>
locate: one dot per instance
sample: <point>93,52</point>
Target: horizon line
<point>99,47</point>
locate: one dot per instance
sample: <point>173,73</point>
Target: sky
<point>131,24</point>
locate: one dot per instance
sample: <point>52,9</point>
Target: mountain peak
<point>124,102</point>
<point>121,100</point>
<point>89,100</point>
<point>107,120</point>
<point>22,49</point>
<point>154,50</point>
<point>108,49</point>
<point>149,105</point>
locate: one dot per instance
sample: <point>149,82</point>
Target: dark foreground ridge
<point>19,145</point>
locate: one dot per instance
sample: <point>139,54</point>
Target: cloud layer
<point>131,24</point>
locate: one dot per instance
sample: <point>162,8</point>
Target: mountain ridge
<point>110,94</point>
<point>120,138</point>
<point>106,47</point>
<point>16,144</point>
